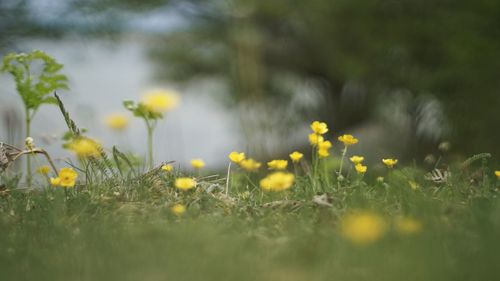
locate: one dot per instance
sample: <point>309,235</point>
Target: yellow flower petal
<point>185,183</point>
<point>390,163</point>
<point>167,168</point>
<point>117,121</point>
<point>357,159</point>
<point>178,209</point>
<point>296,156</point>
<point>360,168</point>
<point>348,140</point>
<point>277,164</point>
<point>277,181</point>
<point>363,228</point>
<point>197,163</point>
<point>160,100</point>
<point>250,165</point>
<point>319,128</point>
<point>236,157</point>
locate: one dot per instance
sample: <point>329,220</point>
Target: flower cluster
<point>247,164</point>
<point>358,164</point>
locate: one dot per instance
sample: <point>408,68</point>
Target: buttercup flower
<point>85,147</point>
<point>167,168</point>
<point>197,163</point>
<point>360,168</point>
<point>357,159</point>
<point>323,148</point>
<point>160,100</point>
<point>324,145</point>
<point>44,170</point>
<point>236,157</point>
<point>185,183</point>
<point>390,162</point>
<point>363,228</point>
<point>348,140</point>
<point>178,209</point>
<point>408,225</point>
<point>296,156</point>
<point>323,153</point>
<point>277,164</point>
<point>497,173</point>
<point>66,178</point>
<point>55,181</point>
<point>319,128</point>
<point>250,165</point>
<point>117,121</point>
<point>277,181</point>
<point>314,139</point>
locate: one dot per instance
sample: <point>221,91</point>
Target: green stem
<point>150,145</point>
<point>344,152</point>
<point>27,121</point>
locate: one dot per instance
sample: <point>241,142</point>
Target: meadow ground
<point>106,217</point>
<point>125,229</point>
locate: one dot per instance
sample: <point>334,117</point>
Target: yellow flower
<point>348,140</point>
<point>357,159</point>
<point>323,148</point>
<point>277,181</point>
<point>314,139</point>
<point>319,128</point>
<point>160,100</point>
<point>360,168</point>
<point>55,181</point>
<point>44,170</point>
<point>363,228</point>
<point>324,145</point>
<point>323,153</point>
<point>178,209</point>
<point>250,165</point>
<point>85,147</point>
<point>236,157</point>
<point>380,179</point>
<point>167,168</point>
<point>296,156</point>
<point>197,163</point>
<point>497,173</point>
<point>117,121</point>
<point>277,164</point>
<point>408,225</point>
<point>413,184</point>
<point>390,162</point>
<point>66,178</point>
<point>185,183</point>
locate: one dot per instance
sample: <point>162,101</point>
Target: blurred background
<point>401,75</point>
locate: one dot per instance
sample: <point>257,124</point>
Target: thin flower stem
<point>344,152</point>
<point>313,177</point>
<point>228,178</point>
<point>150,129</point>
<point>28,157</point>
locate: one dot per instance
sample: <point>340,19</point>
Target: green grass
<point>123,229</point>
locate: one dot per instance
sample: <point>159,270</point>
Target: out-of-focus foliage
<point>33,88</point>
<point>444,49</point>
<point>447,48</point>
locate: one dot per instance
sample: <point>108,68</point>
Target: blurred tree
<point>447,48</point>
